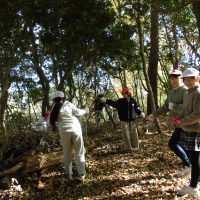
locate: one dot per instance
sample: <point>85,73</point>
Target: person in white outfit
<point>63,116</point>
<point>42,124</point>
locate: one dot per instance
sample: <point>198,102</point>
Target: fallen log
<point>25,154</point>
<point>12,169</point>
<point>39,162</point>
<point>35,162</point>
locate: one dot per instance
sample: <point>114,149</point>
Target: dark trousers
<point>195,161</point>
<point>175,146</point>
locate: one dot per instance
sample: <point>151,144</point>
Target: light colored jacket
<point>42,124</point>
<point>176,97</point>
<point>190,116</point>
<point>67,120</point>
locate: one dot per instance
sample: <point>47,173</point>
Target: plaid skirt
<point>190,140</point>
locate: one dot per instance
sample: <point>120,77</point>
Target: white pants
<point>70,141</point>
<point>130,135</point>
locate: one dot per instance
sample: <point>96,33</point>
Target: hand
<point>142,114</point>
<point>176,121</point>
<point>170,106</point>
<point>150,117</point>
<point>103,99</point>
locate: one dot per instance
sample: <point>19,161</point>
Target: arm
<point>194,116</point>
<point>178,107</point>
<point>112,103</point>
<point>77,111</point>
<point>162,110</point>
<point>137,108</point>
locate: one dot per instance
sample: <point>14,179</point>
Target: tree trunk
<point>3,105</point>
<point>196,11</point>
<point>153,59</point>
<point>43,79</point>
<point>142,54</point>
<point>110,116</point>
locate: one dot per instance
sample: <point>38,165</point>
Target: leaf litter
<point>112,173</point>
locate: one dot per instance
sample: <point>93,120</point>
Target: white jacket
<point>67,120</point>
<point>42,124</point>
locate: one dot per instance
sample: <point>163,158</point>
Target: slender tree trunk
<point>196,11</point>
<point>44,81</point>
<point>153,59</point>
<point>142,54</point>
<point>67,77</point>
<point>3,104</point>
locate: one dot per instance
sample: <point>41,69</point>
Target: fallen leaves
<point>111,173</point>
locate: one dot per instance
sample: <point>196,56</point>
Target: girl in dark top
<point>127,109</point>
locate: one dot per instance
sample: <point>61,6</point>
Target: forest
<point>85,48</point>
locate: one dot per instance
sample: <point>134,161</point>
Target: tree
<point>9,57</point>
<point>153,58</point>
<point>196,9</point>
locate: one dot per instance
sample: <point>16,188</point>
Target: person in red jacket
<point>127,109</point>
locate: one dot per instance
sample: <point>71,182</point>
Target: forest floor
<point>111,172</point>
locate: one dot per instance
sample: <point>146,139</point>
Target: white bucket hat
<point>190,72</point>
<point>58,94</point>
<point>175,72</point>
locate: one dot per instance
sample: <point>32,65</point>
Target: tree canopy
<point>80,47</point>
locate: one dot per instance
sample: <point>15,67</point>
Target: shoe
<point>130,150</point>
<point>184,173</point>
<point>80,178</point>
<point>192,192</point>
<point>198,186</point>
<point>134,149</point>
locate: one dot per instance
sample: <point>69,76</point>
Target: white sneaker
<point>198,186</point>
<point>127,149</point>
<point>80,178</point>
<point>131,150</point>
<point>192,192</point>
<point>184,173</point>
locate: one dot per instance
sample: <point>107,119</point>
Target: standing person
<point>174,105</point>
<point>63,116</point>
<point>127,108</point>
<point>42,123</point>
<point>189,121</point>
<point>98,108</point>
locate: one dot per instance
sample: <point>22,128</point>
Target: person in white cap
<point>63,116</point>
<point>173,105</point>
<point>42,124</point>
<point>189,121</point>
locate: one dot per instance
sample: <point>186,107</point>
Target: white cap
<point>175,72</point>
<point>58,94</point>
<point>190,72</point>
